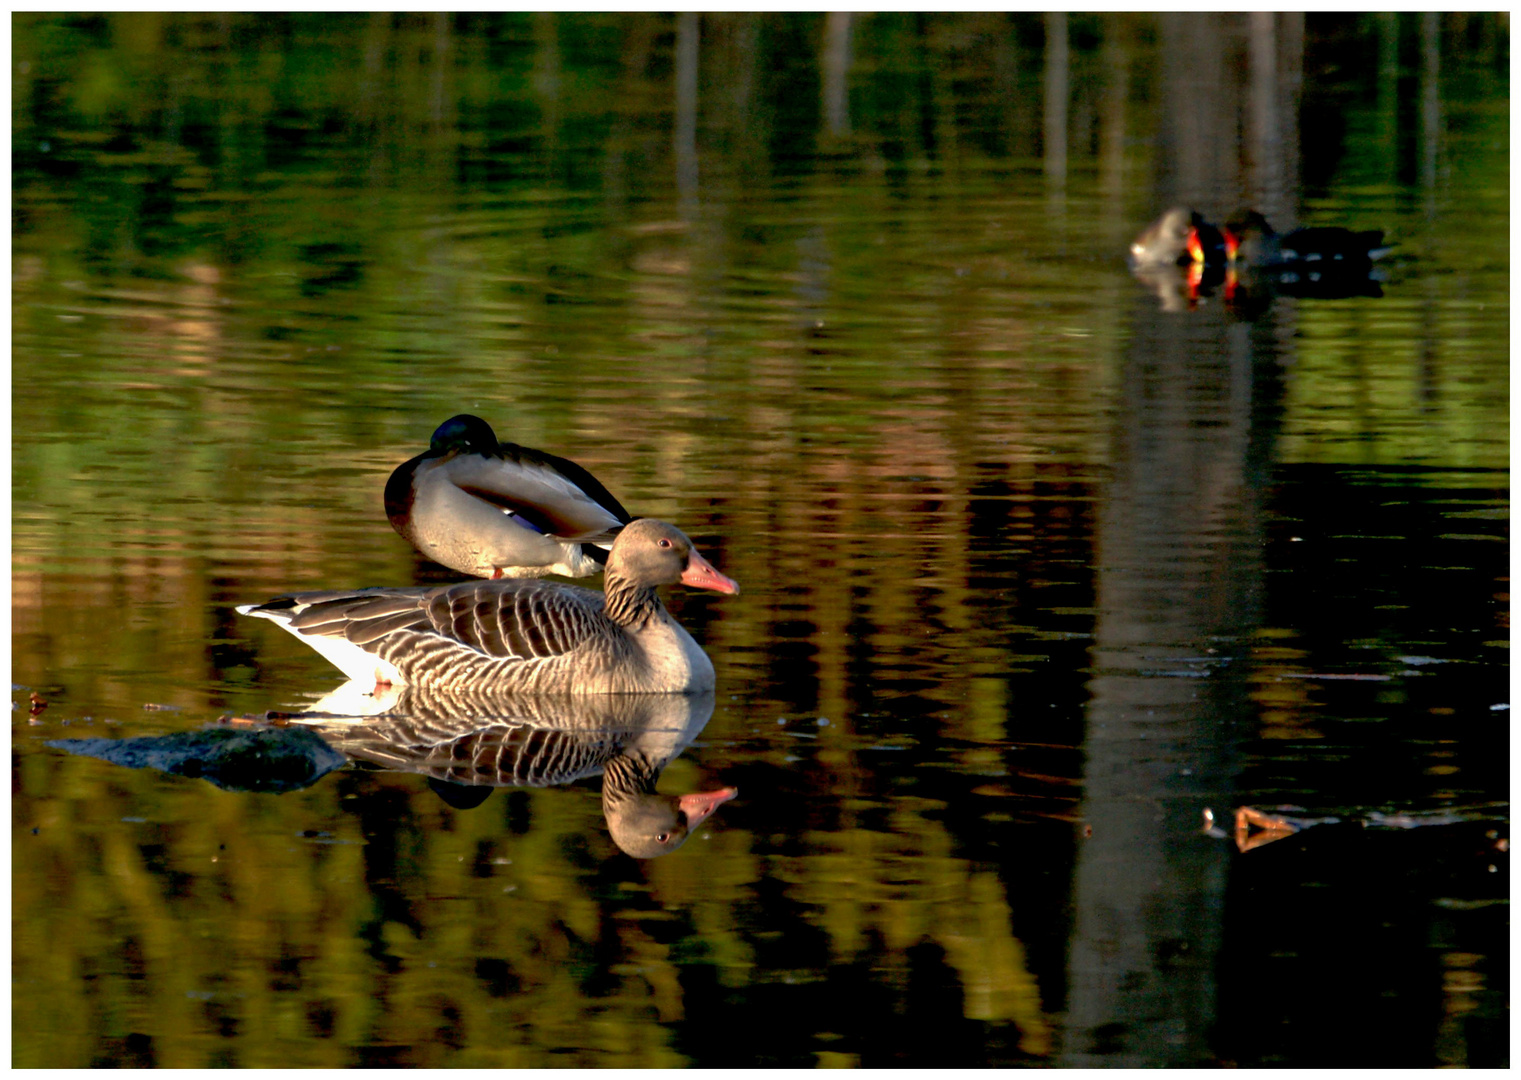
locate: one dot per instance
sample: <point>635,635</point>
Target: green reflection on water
<point>257,259</point>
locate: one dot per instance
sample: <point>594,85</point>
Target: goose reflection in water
<point>466,744</point>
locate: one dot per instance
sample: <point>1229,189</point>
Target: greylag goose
<point>520,635</point>
<point>472,743</point>
<point>501,510</point>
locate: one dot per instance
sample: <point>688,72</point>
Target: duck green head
<point>464,433</point>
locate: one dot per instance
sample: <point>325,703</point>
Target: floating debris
<point>1255,828</point>
<point>1328,676</point>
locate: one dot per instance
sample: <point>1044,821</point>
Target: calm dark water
<point>1036,569</point>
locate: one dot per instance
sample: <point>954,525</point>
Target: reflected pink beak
<point>698,805</point>
<point>701,575</point>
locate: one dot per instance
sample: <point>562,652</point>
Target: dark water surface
<point>1039,564</point>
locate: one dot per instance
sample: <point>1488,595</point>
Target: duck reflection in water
<point>469,744</point>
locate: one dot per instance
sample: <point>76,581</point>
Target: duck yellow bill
<point>701,575</point>
<point>700,804</point>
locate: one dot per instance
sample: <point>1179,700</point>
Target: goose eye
<point>662,838</point>
<point>664,542</point>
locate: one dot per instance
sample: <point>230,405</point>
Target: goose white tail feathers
<point>363,668</point>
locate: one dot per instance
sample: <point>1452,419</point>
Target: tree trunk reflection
<point>1054,129</point>
<point>1180,576</point>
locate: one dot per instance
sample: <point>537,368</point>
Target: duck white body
<point>520,635</point>
<point>497,510</point>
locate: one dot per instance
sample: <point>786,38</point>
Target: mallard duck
<point>498,510</point>
<point>520,635</point>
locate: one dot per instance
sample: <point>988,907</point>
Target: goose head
<point>648,553</point>
<point>646,825</point>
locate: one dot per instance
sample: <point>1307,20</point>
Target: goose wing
<point>523,619</point>
<point>501,753</point>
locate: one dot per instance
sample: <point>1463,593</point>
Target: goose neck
<point>629,604</point>
<point>627,775</point>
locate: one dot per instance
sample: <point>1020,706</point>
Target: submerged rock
<point>264,759</point>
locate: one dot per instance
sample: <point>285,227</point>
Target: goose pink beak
<point>701,575</point>
<point>698,805</point>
